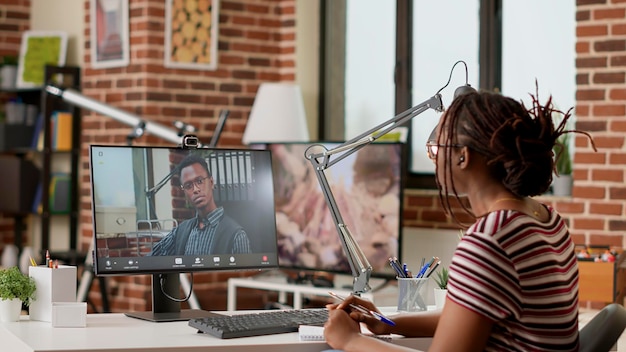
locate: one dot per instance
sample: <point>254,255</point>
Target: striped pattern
<point>523,275</point>
<point>201,240</point>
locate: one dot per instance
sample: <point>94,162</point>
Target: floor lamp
<point>277,115</point>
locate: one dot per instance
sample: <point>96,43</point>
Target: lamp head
<point>463,90</point>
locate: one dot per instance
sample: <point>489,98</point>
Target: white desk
<point>281,285</point>
<point>117,332</point>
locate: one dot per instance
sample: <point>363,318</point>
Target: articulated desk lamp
<point>321,160</point>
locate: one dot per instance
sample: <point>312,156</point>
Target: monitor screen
<point>165,211</point>
<point>367,186</point>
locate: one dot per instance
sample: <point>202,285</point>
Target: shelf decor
<point>38,49</point>
<point>191,34</point>
<point>109,33</point>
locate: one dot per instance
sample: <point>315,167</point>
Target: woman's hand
<point>340,328</point>
<point>374,325</point>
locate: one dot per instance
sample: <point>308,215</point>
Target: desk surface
<point>117,332</point>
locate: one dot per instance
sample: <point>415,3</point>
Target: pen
<point>432,270</point>
<point>425,268</point>
<point>364,310</point>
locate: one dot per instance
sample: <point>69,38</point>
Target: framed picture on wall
<point>38,49</point>
<point>191,34</point>
<point>109,33</point>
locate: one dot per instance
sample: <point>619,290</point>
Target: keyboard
<point>263,323</point>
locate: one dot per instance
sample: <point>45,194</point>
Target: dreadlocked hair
<point>517,142</point>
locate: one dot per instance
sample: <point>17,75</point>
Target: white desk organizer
<point>53,285</point>
<point>69,314</point>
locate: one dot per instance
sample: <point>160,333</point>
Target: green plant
<point>442,278</point>
<point>9,60</point>
<point>14,284</point>
<point>562,155</point>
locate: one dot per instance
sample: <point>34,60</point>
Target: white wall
<point>307,59</point>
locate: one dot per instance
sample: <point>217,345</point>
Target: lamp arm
<point>74,97</point>
<point>349,147</point>
<point>359,265</point>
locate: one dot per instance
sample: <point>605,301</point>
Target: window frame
<point>332,68</point>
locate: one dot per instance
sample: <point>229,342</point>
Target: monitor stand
<point>163,308</point>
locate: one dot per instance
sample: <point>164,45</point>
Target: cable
<point>452,71</point>
<point>162,283</point>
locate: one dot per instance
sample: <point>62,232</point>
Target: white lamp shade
<point>277,115</point>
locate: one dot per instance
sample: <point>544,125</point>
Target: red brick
<point>609,110</point>
<point>616,142</point>
<point>617,158</point>
<point>595,30</point>
<point>610,13</point>
<point>608,175</point>
<point>617,193</point>
<point>605,240</point>
<point>606,208</point>
<point>590,94</point>
<point>588,192</point>
<point>588,223</point>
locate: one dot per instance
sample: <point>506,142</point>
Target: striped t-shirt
<point>523,275</point>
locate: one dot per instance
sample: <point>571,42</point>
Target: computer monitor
<point>165,211</point>
<point>367,186</point>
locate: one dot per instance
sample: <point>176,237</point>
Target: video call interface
<point>138,200</point>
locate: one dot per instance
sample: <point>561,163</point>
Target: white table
<point>117,332</point>
<point>281,285</point>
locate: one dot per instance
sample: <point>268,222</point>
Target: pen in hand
<point>365,311</point>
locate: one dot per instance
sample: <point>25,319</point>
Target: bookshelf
<point>29,160</point>
<point>65,77</point>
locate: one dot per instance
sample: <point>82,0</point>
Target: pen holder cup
<point>411,294</point>
<point>52,285</point>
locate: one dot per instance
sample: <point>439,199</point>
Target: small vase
<point>562,185</point>
<point>10,310</point>
<point>440,297</point>
<point>8,76</point>
<point>10,256</point>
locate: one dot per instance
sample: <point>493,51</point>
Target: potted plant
<point>441,279</point>
<point>15,289</point>
<point>562,184</point>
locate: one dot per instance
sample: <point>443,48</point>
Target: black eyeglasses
<point>188,186</point>
<point>432,148</point>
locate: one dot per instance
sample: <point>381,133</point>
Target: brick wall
<point>256,43</point>
<point>14,19</point>
<point>596,211</point>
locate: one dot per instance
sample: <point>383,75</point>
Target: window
<point>443,33</point>
<point>544,50</point>
<point>370,61</point>
<point>372,46</point>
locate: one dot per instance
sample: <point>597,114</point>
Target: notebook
<point>316,333</point>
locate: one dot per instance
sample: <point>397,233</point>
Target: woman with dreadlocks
<point>513,282</point>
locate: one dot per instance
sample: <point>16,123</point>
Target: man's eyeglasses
<point>432,148</point>
<point>188,186</point>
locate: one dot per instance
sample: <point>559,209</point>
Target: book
<point>316,333</point>
<point>37,141</point>
<point>59,202</point>
<point>61,131</point>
